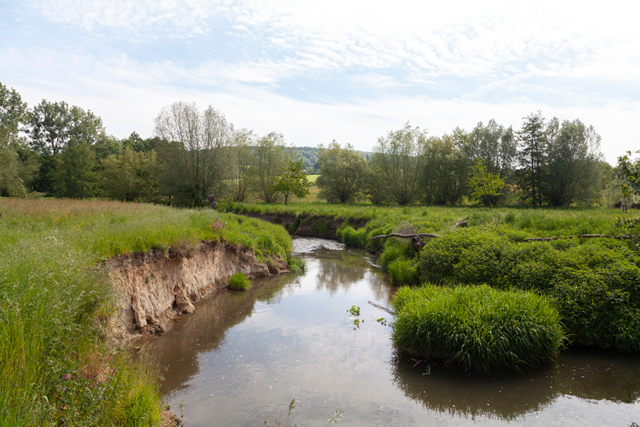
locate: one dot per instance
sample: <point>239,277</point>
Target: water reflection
<point>244,355</point>
<point>587,374</point>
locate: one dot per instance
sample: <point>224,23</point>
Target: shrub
<point>477,327</point>
<point>296,264</point>
<point>404,272</point>
<point>239,282</point>
<point>595,283</point>
<point>395,249</point>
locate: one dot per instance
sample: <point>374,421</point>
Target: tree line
<point>545,162</point>
<point>59,150</point>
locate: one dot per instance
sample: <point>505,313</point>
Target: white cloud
<point>128,95</point>
<point>462,39</point>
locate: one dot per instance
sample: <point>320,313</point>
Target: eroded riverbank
<point>243,356</point>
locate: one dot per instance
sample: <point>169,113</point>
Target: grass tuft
<point>239,282</point>
<point>477,327</point>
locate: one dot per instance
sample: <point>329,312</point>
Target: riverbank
<point>58,300</point>
<point>592,282</point>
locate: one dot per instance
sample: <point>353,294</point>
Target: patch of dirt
<point>155,288</point>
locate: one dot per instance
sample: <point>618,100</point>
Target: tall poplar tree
<point>532,142</point>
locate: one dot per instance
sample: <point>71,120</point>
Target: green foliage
<point>445,170</point>
<point>484,185</point>
<point>56,366</point>
<point>404,272</point>
<point>130,176</point>
<point>477,327</point>
<point>396,166</point>
<point>293,181</point>
<point>195,155</point>
<point>343,173</point>
<point>594,283</point>
<point>321,226</point>
<point>239,282</point>
<point>296,265</point>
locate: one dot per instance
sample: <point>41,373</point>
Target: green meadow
<point>57,367</point>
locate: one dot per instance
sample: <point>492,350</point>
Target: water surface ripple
<point>243,356</point>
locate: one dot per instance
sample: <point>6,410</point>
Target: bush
<point>296,264</point>
<point>239,282</point>
<point>477,327</point>
<point>595,283</point>
<point>404,272</point>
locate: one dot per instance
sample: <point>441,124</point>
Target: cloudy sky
<point>331,69</point>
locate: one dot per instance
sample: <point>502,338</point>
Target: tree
<point>485,185</point>
<point>52,125</point>
<point>194,154</point>
<point>445,170</point>
<point>572,170</point>
<point>293,181</point>
<point>130,176</point>
<point>396,166</point>
<point>532,140</point>
<point>240,184</point>
<point>270,156</point>
<point>343,173</point>
<point>74,175</point>
<point>18,166</point>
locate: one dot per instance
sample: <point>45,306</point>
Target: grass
<point>477,327</point>
<point>56,368</point>
<point>239,282</point>
<point>593,283</point>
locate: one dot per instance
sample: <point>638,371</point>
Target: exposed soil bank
<point>310,225</point>
<point>153,288</point>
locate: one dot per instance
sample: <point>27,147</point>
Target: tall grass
<point>476,326</point>
<point>56,367</point>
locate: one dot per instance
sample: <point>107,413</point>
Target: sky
<point>347,70</point>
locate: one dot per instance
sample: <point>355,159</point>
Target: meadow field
<point>56,367</point>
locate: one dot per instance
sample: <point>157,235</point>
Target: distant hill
<point>309,156</point>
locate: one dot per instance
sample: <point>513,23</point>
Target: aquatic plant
<point>239,282</point>
<point>296,265</point>
<point>477,327</point>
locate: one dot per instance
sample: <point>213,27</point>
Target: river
<point>243,356</point>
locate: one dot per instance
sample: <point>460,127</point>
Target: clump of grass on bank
<point>296,265</point>
<point>239,282</point>
<point>56,368</point>
<point>477,327</point>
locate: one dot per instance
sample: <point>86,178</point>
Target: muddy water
<point>243,356</point>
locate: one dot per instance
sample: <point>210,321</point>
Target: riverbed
<point>243,356</point>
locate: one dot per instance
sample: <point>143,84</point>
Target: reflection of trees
<point>508,395</point>
<point>598,374</point>
<point>203,331</point>
<point>454,392</point>
<point>340,270</point>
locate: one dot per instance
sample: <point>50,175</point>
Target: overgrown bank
<point>57,367</point>
<point>593,283</point>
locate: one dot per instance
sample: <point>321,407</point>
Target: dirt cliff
<point>154,287</point>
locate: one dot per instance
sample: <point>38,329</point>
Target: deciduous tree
<point>396,165</point>
<point>343,173</point>
<point>194,155</point>
<point>292,181</point>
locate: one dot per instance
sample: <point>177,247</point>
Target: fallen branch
<point>530,239</point>
<point>579,236</point>
<point>405,236</point>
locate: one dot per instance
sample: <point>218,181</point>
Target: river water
<point>243,356</point>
